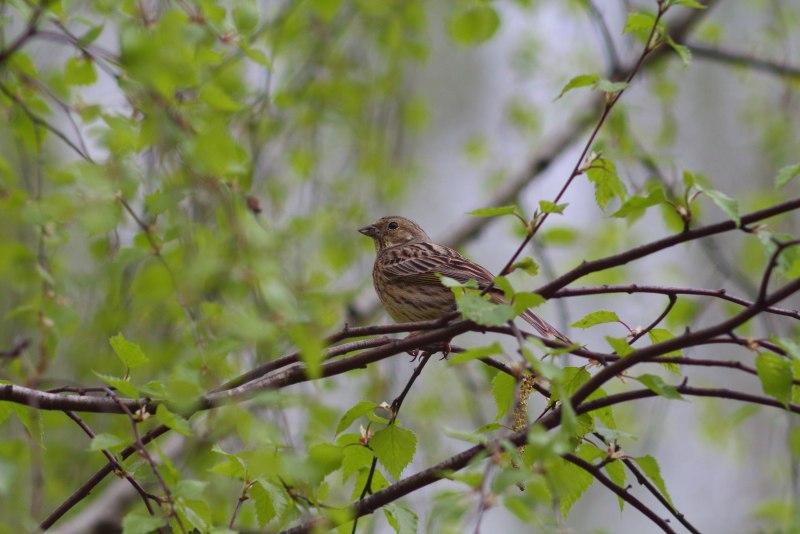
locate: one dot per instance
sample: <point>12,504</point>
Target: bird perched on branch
<point>405,275</point>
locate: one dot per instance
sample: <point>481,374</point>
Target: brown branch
<point>25,36</point>
<point>588,267</point>
<point>550,421</point>
<point>622,493</point>
<point>113,461</point>
<point>743,60</point>
<point>688,339</point>
<point>669,290</point>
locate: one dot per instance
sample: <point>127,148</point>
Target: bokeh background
<point>252,139</point>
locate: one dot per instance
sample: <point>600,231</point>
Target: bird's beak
<point>370,230</point>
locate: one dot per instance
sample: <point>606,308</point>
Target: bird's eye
<point>393,225</point>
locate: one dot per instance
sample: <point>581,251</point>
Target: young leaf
<point>636,205</point>
<point>503,387</point>
<point>727,204</point>
<point>135,523</point>
<point>582,80</point>
<point>650,467</point>
<point>122,386</point>
<point>603,175</point>
<point>657,385</point>
<point>173,420</point>
<point>657,335</point>
<point>775,373</point>
<point>787,174</point>
<point>595,318</point>
<point>620,345</point>
<point>545,206</point>
<point>402,519</point>
<point>639,23</point>
<point>354,413</point>
<point>527,265</point>
<point>483,312</point>
<point>607,86</point>
<point>265,510</point>
<point>493,212</point>
<point>130,353</point>
<point>526,301</point>
<point>394,447</point>
<point>106,441</point>
<point>682,50</point>
<point>688,3</point>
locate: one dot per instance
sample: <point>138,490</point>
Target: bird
<point>406,275</point>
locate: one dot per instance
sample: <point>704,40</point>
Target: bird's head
<point>394,230</point>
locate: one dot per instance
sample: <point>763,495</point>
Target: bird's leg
<point>445,350</point>
<point>413,352</point>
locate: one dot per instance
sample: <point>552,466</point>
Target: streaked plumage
<point>405,274</point>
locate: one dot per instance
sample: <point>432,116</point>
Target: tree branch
<point>622,493</point>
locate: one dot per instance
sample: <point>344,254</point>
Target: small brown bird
<point>405,274</point>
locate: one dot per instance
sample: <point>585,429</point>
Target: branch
<point>550,421</point>
<point>622,493</point>
<point>25,36</point>
<point>742,60</point>
<point>588,267</point>
<point>688,339</point>
<point>669,290</point>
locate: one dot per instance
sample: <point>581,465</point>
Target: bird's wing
<point>420,262</point>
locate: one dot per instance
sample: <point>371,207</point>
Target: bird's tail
<point>543,327</point>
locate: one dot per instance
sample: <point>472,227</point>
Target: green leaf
<point>688,3</point>
<point>727,204</point>
<point>503,388</point>
<point>494,212</point>
<point>607,86</point>
<point>787,174</point>
<point>173,420</point>
<point>474,25</point>
<point>651,470</point>
<point>130,353</point>
<point>79,71</point>
<point>602,173</point>
<point>572,379</point>
<point>265,511</point>
<point>775,373</point>
<point>682,50</point>
<point>636,205</point>
<point>616,472</point>
<point>122,386</point>
<point>568,481</point>
<point>658,335</point>
<point>527,265</point>
<point>141,524</point>
<point>620,345</point>
<point>639,24</point>
<point>545,206</point>
<point>595,318</point>
<point>657,385</point>
<point>402,519</point>
<point>354,413</point>
<point>582,80</point>
<point>476,308</point>
<point>394,447</point>
<point>354,458</point>
<point>216,97</point>
<point>476,353</point>
<point>526,301</point>
<point>106,441</point>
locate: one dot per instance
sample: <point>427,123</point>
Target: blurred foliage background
<point>191,175</point>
